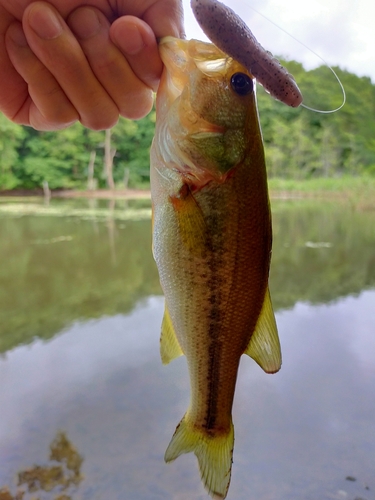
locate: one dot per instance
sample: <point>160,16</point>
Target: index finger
<point>13,89</point>
<point>48,35</point>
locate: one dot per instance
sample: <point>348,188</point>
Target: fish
<point>212,238</point>
<point>231,34</point>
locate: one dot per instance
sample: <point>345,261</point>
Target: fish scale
<point>212,240</point>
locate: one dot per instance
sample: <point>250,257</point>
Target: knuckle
<point>97,122</point>
<point>58,114</point>
<point>137,105</point>
<point>44,124</point>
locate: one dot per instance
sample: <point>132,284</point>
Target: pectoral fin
<point>264,345</point>
<point>169,346</point>
<point>193,228</point>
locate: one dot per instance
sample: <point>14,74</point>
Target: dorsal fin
<point>169,346</point>
<point>264,345</point>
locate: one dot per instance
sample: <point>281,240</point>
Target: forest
<point>299,144</point>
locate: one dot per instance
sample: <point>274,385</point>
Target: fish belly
<point>214,276</point>
<point>214,287</point>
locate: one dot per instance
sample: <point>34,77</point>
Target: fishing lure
<point>229,32</point>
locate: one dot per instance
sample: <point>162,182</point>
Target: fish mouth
<point>195,145</point>
<point>208,134</point>
<point>181,57</point>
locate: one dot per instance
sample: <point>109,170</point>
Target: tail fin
<point>214,455</point>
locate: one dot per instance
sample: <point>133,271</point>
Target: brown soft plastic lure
<point>229,32</point>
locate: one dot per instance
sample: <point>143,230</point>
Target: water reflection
<point>62,476</point>
<point>80,313</point>
<point>62,269</point>
<point>305,269</point>
<point>299,433</point>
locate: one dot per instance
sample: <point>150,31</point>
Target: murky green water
<point>87,409</point>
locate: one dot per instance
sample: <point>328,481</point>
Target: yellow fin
<point>193,228</point>
<point>264,345</point>
<point>214,455</point>
<point>169,346</point>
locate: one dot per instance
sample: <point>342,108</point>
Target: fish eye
<point>241,83</point>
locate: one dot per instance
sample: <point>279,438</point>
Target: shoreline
<point>144,194</point>
<point>359,197</point>
<point>125,194</point>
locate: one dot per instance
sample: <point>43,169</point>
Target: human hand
<point>88,63</point>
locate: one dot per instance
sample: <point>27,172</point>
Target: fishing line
<point>317,55</point>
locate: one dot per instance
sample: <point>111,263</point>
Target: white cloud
<point>340,31</point>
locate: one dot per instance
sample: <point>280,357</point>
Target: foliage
<point>59,158</point>
<point>299,144</point>
<point>11,136</point>
<point>28,157</point>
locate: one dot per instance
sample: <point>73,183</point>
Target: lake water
<point>86,407</point>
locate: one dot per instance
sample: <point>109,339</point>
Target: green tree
<point>11,136</point>
<point>133,141</point>
<point>299,143</point>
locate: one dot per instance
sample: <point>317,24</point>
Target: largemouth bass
<point>211,242</point>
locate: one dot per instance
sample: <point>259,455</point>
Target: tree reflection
<point>44,288</point>
<point>55,481</point>
<point>85,270</point>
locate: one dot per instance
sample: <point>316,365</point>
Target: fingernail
<point>132,43</point>
<point>84,23</point>
<point>44,22</point>
<point>16,34</point>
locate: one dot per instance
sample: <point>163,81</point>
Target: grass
<point>357,191</point>
<point>323,184</point>
<point>22,209</point>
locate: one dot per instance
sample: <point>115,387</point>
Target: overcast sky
<point>340,31</point>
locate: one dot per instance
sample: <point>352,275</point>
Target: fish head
<point>206,104</point>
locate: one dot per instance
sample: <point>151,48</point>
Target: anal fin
<point>264,345</point>
<point>169,346</point>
